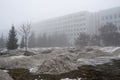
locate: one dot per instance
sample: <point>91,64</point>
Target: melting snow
<point>95,61</point>
<point>6,71</point>
<point>109,49</point>
<point>17,57</point>
<point>33,70</point>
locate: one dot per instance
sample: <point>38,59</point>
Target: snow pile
<point>92,54</point>
<point>8,62</point>
<point>109,49</point>
<point>17,57</point>
<point>33,70</point>
<point>58,60</point>
<point>55,66</point>
<point>96,61</point>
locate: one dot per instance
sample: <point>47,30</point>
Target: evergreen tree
<point>22,44</point>
<point>12,40</point>
<point>2,42</point>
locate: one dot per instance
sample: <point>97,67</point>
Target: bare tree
<point>25,30</point>
<point>32,40</point>
<point>110,35</point>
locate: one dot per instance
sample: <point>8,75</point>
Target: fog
<point>60,39</point>
<point>19,11</point>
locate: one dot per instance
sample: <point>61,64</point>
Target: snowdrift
<point>57,60</point>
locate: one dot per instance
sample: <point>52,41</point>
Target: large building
<point>74,24</point>
<point>110,15</point>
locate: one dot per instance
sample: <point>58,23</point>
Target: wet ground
<point>87,72</point>
<point>92,64</point>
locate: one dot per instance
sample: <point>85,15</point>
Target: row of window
<point>70,26</point>
<point>79,20</point>
<point>71,30</point>
<point>109,17</point>
<point>116,23</point>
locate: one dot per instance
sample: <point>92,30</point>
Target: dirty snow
<point>17,57</point>
<point>58,59</point>
<point>95,61</point>
<point>33,70</point>
<point>4,76</point>
<point>109,49</point>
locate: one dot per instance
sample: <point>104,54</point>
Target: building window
<point>115,16</point>
<point>119,27</point>
<point>106,17</point>
<point>110,16</point>
<point>119,15</point>
<point>103,18</point>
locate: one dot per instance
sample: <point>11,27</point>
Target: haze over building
<point>82,22</point>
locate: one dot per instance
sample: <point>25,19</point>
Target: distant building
<point>74,24</point>
<point>110,15</point>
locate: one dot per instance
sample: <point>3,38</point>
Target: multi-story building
<point>74,24</point>
<point>110,16</point>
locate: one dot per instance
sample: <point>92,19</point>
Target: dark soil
<point>109,71</point>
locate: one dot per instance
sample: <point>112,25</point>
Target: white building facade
<point>82,22</point>
<point>110,16</point>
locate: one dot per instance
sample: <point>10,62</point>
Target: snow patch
<point>33,70</point>
<point>109,49</point>
<point>5,71</point>
<point>17,57</point>
<point>95,61</point>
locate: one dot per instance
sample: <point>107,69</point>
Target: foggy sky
<point>18,12</point>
